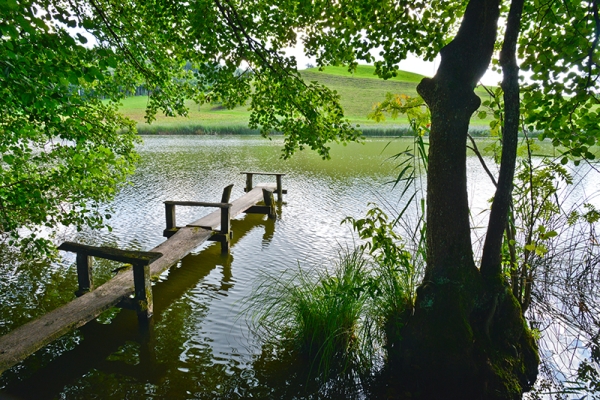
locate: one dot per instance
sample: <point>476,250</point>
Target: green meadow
<point>358,91</point>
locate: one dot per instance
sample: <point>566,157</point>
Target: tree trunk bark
<point>452,102</point>
<point>447,350</point>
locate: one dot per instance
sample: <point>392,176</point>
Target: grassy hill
<point>361,90</point>
<point>358,92</point>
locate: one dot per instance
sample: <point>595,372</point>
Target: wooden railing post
<point>143,290</point>
<point>170,215</point>
<point>248,182</point>
<point>84,273</point>
<point>140,260</point>
<point>226,194</point>
<point>279,188</point>
<point>225,230</point>
<point>172,227</point>
<point>226,221</point>
<point>224,235</point>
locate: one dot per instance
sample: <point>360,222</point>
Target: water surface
<point>198,344</point>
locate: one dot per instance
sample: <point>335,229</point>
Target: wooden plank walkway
<point>25,340</point>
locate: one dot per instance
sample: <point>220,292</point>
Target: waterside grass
<point>339,321</point>
<point>320,313</point>
<point>202,129</point>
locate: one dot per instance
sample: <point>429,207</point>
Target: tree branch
<point>491,261</point>
<point>475,150</point>
<point>119,42</point>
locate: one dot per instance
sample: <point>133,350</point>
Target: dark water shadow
<point>282,372</point>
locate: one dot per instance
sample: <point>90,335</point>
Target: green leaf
<point>549,235</point>
<point>530,247</point>
<point>8,158</point>
<point>82,39</point>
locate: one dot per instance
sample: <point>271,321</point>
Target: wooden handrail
<point>109,253</point>
<point>279,190</point>
<point>198,204</point>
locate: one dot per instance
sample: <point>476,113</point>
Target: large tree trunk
<point>467,338</point>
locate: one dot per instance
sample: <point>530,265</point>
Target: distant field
<point>358,91</point>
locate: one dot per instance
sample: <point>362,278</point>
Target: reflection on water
<point>197,344</point>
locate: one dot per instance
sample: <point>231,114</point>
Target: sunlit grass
<point>368,71</point>
<point>358,93</point>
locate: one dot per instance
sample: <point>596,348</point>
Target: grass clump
<point>319,313</point>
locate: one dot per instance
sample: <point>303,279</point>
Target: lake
<point>199,344</point>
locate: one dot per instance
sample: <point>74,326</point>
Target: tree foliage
<point>65,149</point>
<point>559,47</point>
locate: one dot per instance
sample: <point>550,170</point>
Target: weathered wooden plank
<point>25,340</point>
<point>271,186</point>
<point>252,197</point>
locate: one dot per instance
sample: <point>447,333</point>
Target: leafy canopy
<point>65,149</point>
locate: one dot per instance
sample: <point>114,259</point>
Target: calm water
<point>199,345</point>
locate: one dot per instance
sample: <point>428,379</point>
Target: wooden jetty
<point>133,290</point>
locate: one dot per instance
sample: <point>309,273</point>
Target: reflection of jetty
<point>133,290</point>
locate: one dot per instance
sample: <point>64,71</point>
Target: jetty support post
<point>279,188</point>
<point>270,203</point>
<point>248,181</point>
<point>84,274</point>
<point>224,235</point>
<point>170,216</point>
<point>225,232</point>
<point>144,304</point>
